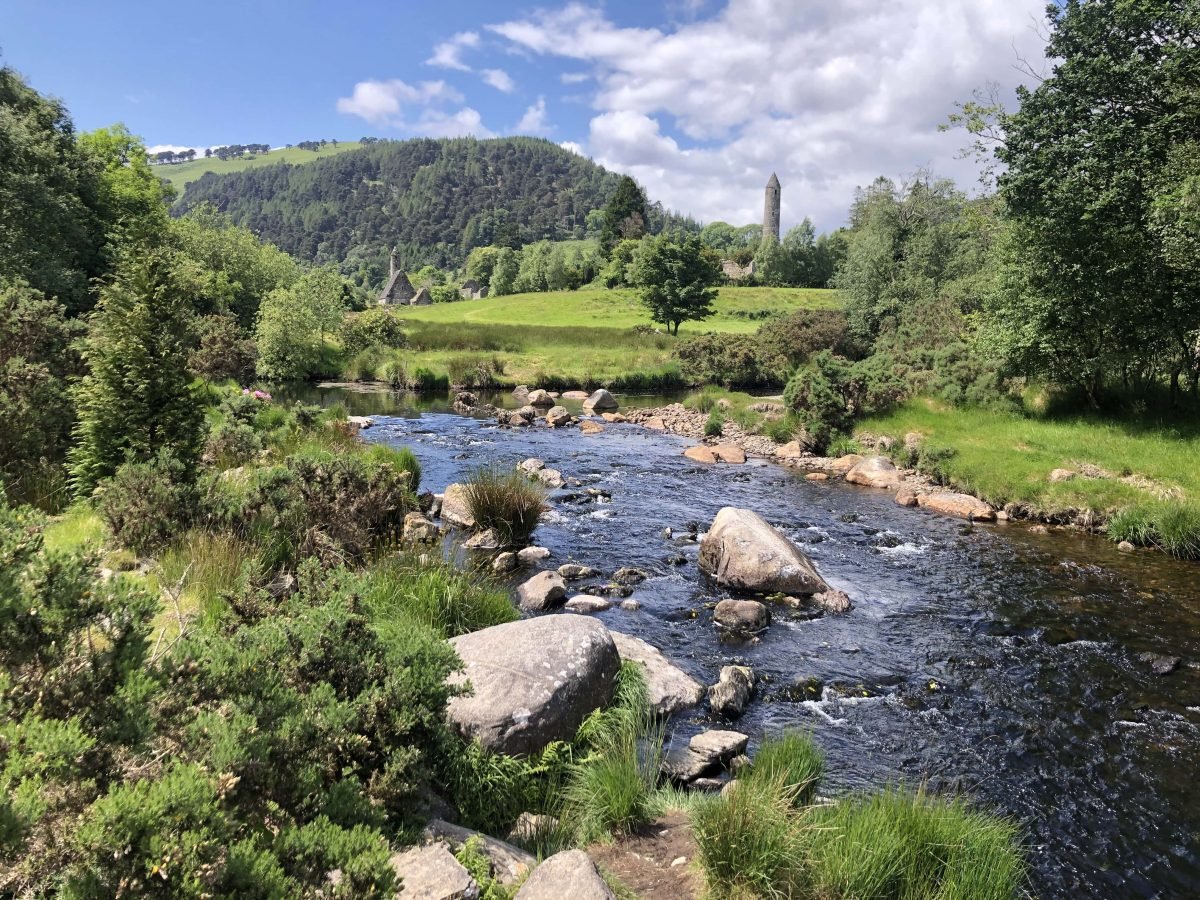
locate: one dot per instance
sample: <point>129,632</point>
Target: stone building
<point>471,290</point>
<point>421,298</point>
<point>771,209</point>
<point>398,291</point>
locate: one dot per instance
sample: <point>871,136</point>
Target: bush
<point>474,371</point>
<point>232,444</point>
<point>146,504</point>
<point>732,360</point>
<point>506,501</point>
<point>715,425</point>
<point>426,381</point>
<point>224,351</point>
<point>363,366</point>
<point>817,395</point>
<point>701,402</point>
<point>790,342</point>
<point>374,329</point>
<point>783,430</point>
<point>400,458</point>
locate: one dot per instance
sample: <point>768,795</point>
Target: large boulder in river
<point>570,875</point>
<point>540,398</point>
<point>875,471</point>
<point>455,509</point>
<point>950,503</point>
<point>601,401</point>
<point>670,688</point>
<point>744,553</point>
<point>558,415</point>
<point>543,591</point>
<point>534,681</point>
<point>742,616</point>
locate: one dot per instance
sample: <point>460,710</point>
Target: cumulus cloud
<point>383,102</point>
<point>499,79</point>
<point>534,120</point>
<point>448,54</point>
<point>464,122</point>
<point>828,93</point>
<point>574,147</point>
<point>574,77</point>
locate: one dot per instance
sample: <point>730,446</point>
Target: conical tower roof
<point>774,182</point>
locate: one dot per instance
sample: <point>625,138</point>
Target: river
<point>984,659</point>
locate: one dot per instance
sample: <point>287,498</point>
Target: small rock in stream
<point>1159,663</point>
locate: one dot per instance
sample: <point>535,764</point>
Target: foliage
<point>504,500</point>
<point>1096,168</point>
<point>676,281</point>
<point>729,360</point>
<point>146,504</point>
<point>293,322</point>
<point>715,424</point>
<point>132,200</point>
<point>504,272</point>
<point>373,329</point>
<point>790,341</point>
<point>232,443</point>
<point>789,763</point>
<point>818,394</point>
<point>1171,527</point>
<point>239,269</point>
<point>136,397</point>
<point>223,350</point>
<point>36,360</point>
<point>624,214</point>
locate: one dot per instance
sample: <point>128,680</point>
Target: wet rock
<point>432,873</point>
<point>875,471</point>
<point>1060,475</point>
<point>601,401</point>
<point>729,453</point>
<point>705,752</point>
<point>517,421</point>
<point>906,496</point>
<point>540,398</point>
<point>465,400</point>
<point>629,575</point>
<point>744,553</point>
<point>587,604</point>
<point>705,785</point>
<point>670,688</point>
<point>528,413</point>
<point>789,451</point>
<point>534,680</point>
<point>1160,664</point>
<point>551,478</point>
<point>509,864</point>
<point>505,562</point>
<point>700,454</point>
<point>1126,547</point>
<point>574,571</point>
<point>531,555</point>
<point>589,427</point>
<point>531,465</point>
<point>570,874</point>
<point>743,616</point>
<point>557,416</point>
<point>844,464</point>
<point>521,393</point>
<point>1039,529</point>
<point>484,540</point>
<point>676,560</point>
<point>816,476</point>
<point>455,509</point>
<point>631,605</point>
<point>543,591</point>
<point>655,423</point>
<point>613,418</point>
<point>832,601</point>
<point>964,506</point>
<point>731,694</point>
<point>575,395</point>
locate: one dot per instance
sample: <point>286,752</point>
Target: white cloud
<point>575,148</point>
<point>382,102</point>
<point>574,77</point>
<point>534,120</point>
<point>828,93</point>
<point>174,148</point>
<point>448,54</point>
<point>467,121</point>
<point>499,79</point>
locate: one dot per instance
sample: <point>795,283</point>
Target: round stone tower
<point>771,209</point>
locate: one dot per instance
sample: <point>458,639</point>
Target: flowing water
<point>984,659</point>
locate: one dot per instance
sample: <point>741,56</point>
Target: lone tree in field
<point>677,281</point>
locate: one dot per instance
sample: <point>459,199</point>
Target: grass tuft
<point>506,501</point>
<point>790,760</point>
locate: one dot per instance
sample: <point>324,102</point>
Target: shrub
<point>474,371</point>
<point>732,360</point>
<point>224,351</point>
<point>232,444</point>
<point>715,424</point>
<point>374,329</point>
<point>426,381</point>
<point>400,458</point>
<point>363,366</point>
<point>781,430</point>
<point>506,501</point>
<point>790,342</point>
<point>146,504</point>
<point>701,402</point>
<point>817,395</point>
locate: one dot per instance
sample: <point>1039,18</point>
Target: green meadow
<point>179,174</point>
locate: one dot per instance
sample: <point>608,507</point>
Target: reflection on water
<point>986,659</point>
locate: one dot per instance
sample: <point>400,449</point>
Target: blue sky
<point>699,99</point>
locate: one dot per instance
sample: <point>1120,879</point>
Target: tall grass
<point>433,594</point>
<point>1171,527</point>
<point>791,761</point>
<point>209,568</point>
<point>400,458</point>
<point>504,500</point>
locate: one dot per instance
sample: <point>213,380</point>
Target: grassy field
<point>739,310</point>
<point>1008,458</point>
<point>179,174</point>
<point>568,338</point>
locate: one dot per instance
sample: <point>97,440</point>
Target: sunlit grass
<point>79,528</point>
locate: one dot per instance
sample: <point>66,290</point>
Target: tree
<point>624,214</point>
<point>136,399</point>
<point>481,262</point>
<point>677,281</point>
<point>294,322</point>
<point>1090,289</point>
<point>504,274</point>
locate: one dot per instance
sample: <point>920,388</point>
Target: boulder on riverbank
<point>570,875</point>
<point>540,398</point>
<point>433,872</point>
<point>455,509</point>
<point>601,401</point>
<point>509,864</point>
<point>534,681</point>
<point>964,506</point>
<point>543,591</point>
<point>875,471</point>
<point>705,752</point>
<point>744,553</point>
<point>670,688</point>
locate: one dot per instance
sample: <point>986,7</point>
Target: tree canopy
<point>677,281</point>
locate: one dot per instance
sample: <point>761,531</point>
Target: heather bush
<point>146,504</point>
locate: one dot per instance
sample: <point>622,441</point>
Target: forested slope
<point>433,199</point>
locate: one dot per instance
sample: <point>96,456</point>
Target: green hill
<point>181,174</point>
<point>434,200</point>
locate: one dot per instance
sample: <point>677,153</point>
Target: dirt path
<point>643,861</point>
